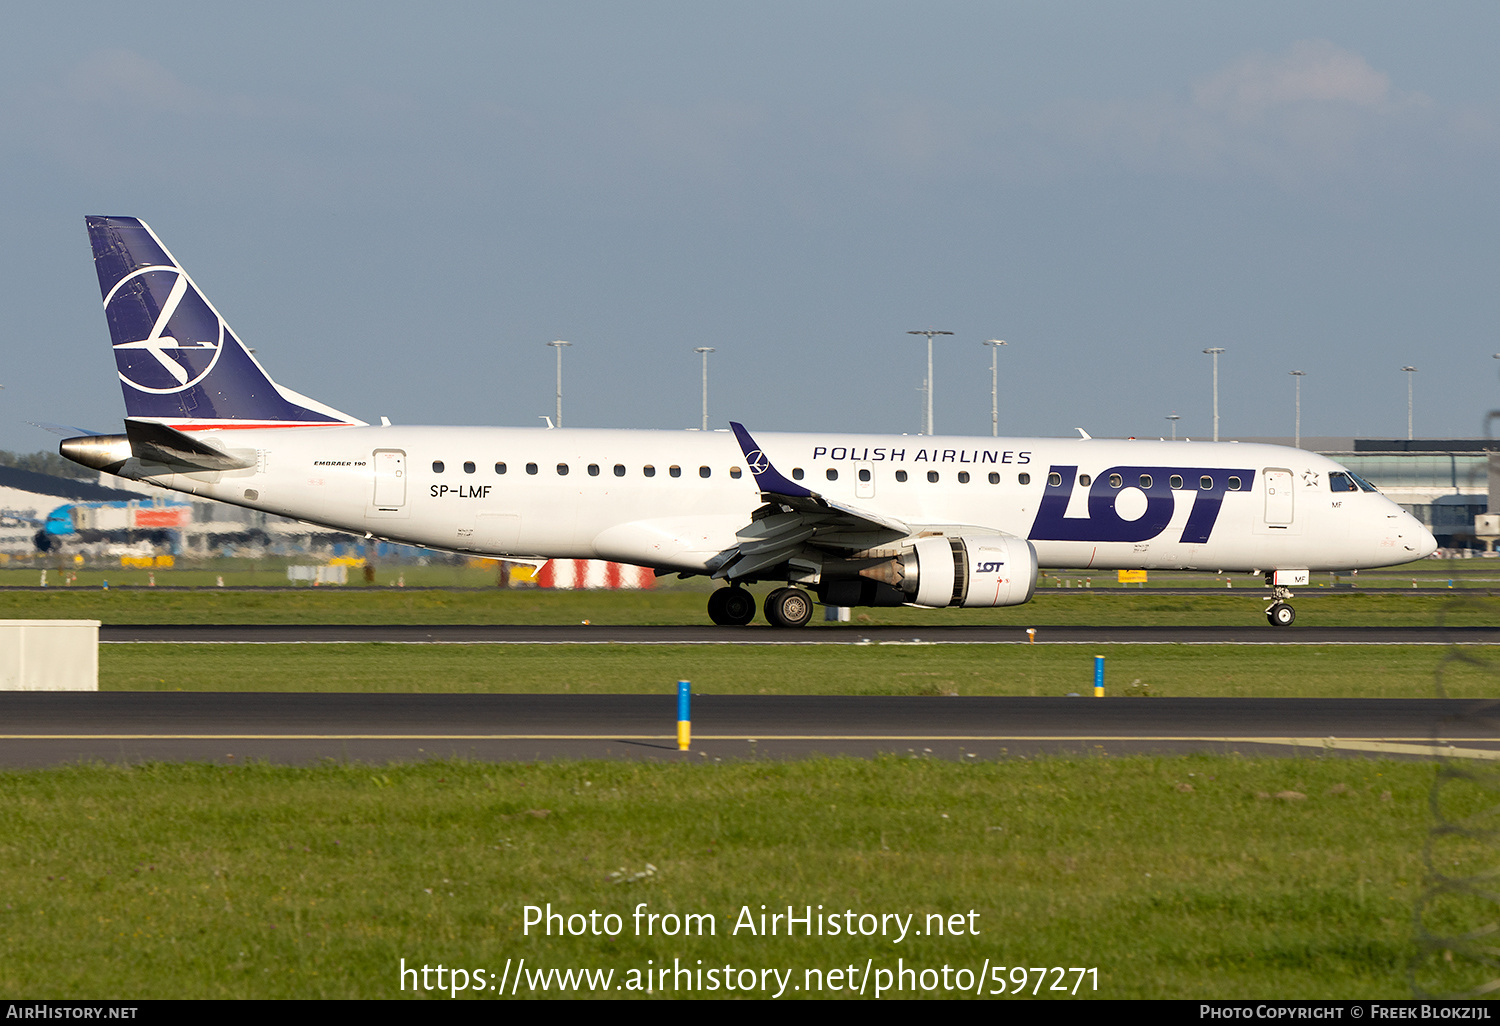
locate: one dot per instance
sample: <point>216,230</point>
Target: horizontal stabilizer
<point>156,443</point>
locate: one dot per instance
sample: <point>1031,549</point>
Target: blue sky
<point>398,208</point>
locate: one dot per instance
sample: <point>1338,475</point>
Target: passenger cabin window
<point>1115,480</point>
<point>994,478</point>
<point>1206,483</point>
<point>900,475</point>
<point>468,466</point>
<point>1234,484</point>
<point>1145,480</point>
<point>735,472</point>
<point>1085,480</point>
<point>704,472</point>
<point>619,470</point>
<point>932,476</point>
<point>437,466</point>
<point>674,470</point>
<point>531,468</point>
<point>1175,480</point>
<point>864,475</point>
<point>562,470</point>
<point>499,468</point>
<point>1025,479</point>
<point>1054,480</point>
<point>796,473</point>
<point>1340,483</point>
<point>832,475</point>
<point>648,470</point>
<point>593,470</point>
<point>963,477</point>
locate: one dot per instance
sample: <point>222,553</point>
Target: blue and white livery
<point>853,519</point>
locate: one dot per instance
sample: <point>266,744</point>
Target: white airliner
<point>856,519</point>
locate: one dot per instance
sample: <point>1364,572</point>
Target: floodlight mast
<point>704,351</point>
<point>1298,376</point>
<point>559,345</point>
<point>929,333</point>
<point>1409,372</point>
<point>1214,352</point>
<point>994,345</point>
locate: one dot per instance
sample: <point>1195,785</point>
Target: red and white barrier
<point>594,573</point>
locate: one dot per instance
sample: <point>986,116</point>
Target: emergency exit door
<point>1279,497</point>
<point>390,479</point>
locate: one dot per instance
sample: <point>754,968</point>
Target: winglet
<point>766,476</point>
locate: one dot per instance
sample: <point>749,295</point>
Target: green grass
<point>1368,671</point>
<point>1175,877</point>
<point>1050,608</point>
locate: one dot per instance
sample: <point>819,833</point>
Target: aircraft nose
<point>1418,538</point>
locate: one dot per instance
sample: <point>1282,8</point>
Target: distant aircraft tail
<point>179,362</point>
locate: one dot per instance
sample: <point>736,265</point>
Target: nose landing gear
<point>1280,614</point>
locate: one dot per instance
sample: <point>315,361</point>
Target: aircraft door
<point>1279,497</point>
<point>864,481</point>
<point>390,478</point>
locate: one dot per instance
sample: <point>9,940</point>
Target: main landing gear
<point>785,607</point>
<point>789,607</point>
<point>732,607</point>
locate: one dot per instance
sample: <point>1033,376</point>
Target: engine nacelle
<point>969,570</point>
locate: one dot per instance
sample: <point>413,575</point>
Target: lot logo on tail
<point>176,337</point>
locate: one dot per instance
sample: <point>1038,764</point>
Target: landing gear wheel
<point>1281,615</point>
<point>788,607</point>
<point>731,607</point>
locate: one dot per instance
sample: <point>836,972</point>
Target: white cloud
<point>1311,71</point>
<point>1312,114</point>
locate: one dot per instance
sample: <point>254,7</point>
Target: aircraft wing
<point>795,518</point>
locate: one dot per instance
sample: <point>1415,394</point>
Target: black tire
<point>1281,615</point>
<point>788,607</point>
<point>739,606</point>
<point>731,607</point>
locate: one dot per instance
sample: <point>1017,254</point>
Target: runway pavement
<point>816,634</point>
<point>813,635</point>
<point>44,729</point>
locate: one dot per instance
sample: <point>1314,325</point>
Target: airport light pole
<point>1174,419</point>
<point>1214,352</point>
<point>1409,372</point>
<point>1298,376</point>
<point>929,333</point>
<point>704,351</point>
<point>559,346</point>
<point>994,344</point>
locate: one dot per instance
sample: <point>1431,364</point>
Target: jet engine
<point>960,570</point>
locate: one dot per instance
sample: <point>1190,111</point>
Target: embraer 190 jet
<point>857,520</point>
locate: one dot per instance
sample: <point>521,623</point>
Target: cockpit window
<point>1364,485</point>
<point>1340,482</point>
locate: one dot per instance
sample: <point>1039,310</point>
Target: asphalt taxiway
<point>45,729</point>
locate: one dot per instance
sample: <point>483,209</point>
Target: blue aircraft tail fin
<point>179,362</point>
